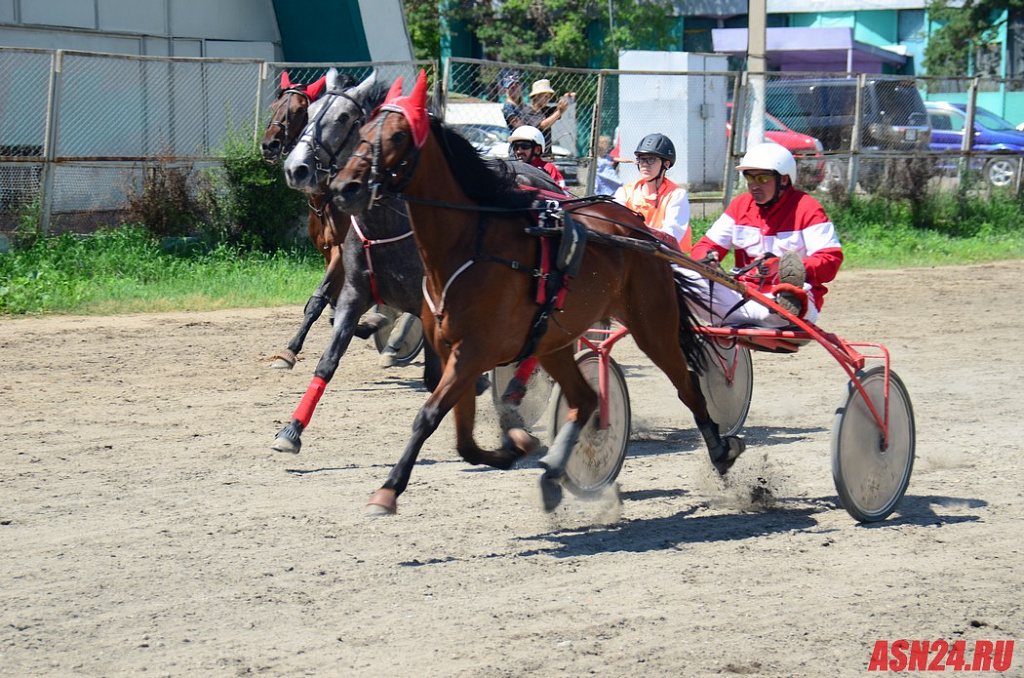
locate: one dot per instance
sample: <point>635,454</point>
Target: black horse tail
<point>689,340</point>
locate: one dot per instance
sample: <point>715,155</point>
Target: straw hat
<point>542,86</point>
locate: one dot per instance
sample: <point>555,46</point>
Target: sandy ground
<point>147,529</point>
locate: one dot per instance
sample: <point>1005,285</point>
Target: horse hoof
<point>382,503</point>
<point>288,440</point>
<point>736,447</point>
<point>388,357</point>
<point>523,442</point>
<point>550,492</point>
<point>285,360</point>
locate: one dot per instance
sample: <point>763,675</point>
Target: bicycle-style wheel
<point>530,414</point>
<point>596,460</point>
<point>869,477</point>
<point>412,342</point>
<point>727,384</point>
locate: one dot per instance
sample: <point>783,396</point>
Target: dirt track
<point>147,529</point>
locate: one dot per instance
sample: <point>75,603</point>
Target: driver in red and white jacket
<point>773,218</point>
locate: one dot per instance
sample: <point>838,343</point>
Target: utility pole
<point>757,47</point>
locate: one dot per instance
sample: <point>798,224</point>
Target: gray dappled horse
<point>288,117</point>
<point>379,255</point>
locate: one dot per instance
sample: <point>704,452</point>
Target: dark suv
<point>893,119</point>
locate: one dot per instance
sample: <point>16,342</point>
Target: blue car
<point>992,135</point>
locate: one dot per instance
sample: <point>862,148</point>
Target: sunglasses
<point>522,146</point>
<point>647,160</point>
<point>758,178</point>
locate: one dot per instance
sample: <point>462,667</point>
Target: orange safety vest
<point>653,207</point>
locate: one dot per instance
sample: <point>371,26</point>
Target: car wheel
<point>1001,172</point>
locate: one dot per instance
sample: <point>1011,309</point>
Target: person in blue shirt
<point>607,180</point>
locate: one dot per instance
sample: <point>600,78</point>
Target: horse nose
<point>297,175</point>
<point>271,149</point>
<point>349,191</point>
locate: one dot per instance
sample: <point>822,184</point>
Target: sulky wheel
<point>870,478</point>
<point>727,384</point>
<point>535,404</point>
<point>597,458</point>
<point>412,342</point>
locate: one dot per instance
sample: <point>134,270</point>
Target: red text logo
<point>939,655</point>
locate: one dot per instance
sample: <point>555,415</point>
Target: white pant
<point>722,310</point>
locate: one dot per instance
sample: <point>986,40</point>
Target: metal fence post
<point>50,141</point>
<point>595,133</point>
<point>858,120</point>
<point>446,75</point>
<point>739,102</point>
<point>261,77</point>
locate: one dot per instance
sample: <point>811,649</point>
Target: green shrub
<point>167,201</point>
<point>249,200</point>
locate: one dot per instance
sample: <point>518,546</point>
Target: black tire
<point>727,396</point>
<point>597,458</point>
<point>414,340</point>
<point>871,480</point>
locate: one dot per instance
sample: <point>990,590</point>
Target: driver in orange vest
<point>663,204</point>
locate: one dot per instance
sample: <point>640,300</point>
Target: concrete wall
<point>213,28</point>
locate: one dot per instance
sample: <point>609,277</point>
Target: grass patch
<point>128,270</point>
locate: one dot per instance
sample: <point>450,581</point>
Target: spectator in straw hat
<point>540,113</point>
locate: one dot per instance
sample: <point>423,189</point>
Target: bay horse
<point>470,227</point>
<point>327,230</point>
<point>381,262</point>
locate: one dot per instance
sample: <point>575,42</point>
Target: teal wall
<point>322,31</point>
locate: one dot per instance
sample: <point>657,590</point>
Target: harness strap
<point>367,243</point>
<point>438,310</point>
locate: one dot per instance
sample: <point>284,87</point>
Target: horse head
<point>389,148</point>
<point>288,116</point>
<point>330,135</point>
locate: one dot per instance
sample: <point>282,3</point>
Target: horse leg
<point>325,292</point>
<point>455,391</point>
<point>351,306</point>
<point>664,351</point>
<point>582,401</point>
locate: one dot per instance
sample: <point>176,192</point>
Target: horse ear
<point>395,91</point>
<point>360,91</point>
<point>285,82</point>
<point>317,88</point>
<point>419,92</point>
<point>332,80</point>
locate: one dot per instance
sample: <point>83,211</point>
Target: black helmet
<point>658,145</point>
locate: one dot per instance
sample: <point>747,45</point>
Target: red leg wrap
<point>525,369</point>
<point>304,412</point>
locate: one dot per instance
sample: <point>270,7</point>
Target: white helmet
<point>527,133</point>
<point>770,156</point>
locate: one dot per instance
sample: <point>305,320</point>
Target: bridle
<point>316,141</point>
<point>286,125</point>
<point>387,182</point>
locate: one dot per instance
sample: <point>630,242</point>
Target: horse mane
<point>375,97</point>
<point>490,184</point>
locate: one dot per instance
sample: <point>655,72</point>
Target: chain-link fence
<point>77,130</point>
<point>849,132</point>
